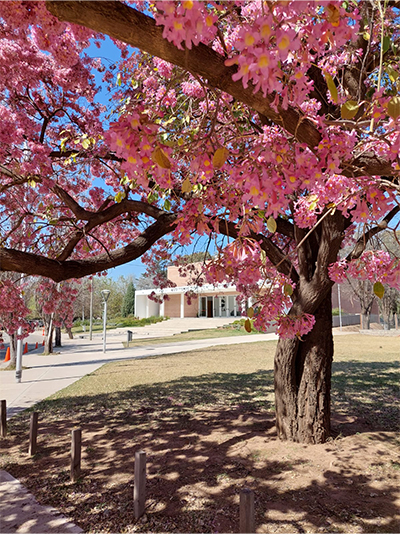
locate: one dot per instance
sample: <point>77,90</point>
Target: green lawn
<point>365,376</point>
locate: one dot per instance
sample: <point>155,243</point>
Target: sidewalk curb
<point>20,512</point>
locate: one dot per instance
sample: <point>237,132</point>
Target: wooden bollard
<point>247,523</point>
<point>76,445</point>
<point>33,431</point>
<point>3,419</point>
<point>139,486</point>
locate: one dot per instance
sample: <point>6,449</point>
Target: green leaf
<point>379,290</point>
<point>250,312</point>
<point>167,205</point>
<point>394,107</point>
<point>386,43</point>
<point>332,87</point>
<point>349,109</point>
<point>119,80</point>
<point>393,74</point>
<point>119,196</point>
<point>220,156</point>
<point>271,225</point>
<point>247,325</point>
<point>288,290</point>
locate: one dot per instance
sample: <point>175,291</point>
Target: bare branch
<point>363,240</point>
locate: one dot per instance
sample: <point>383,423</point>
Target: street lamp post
<point>105,294</point>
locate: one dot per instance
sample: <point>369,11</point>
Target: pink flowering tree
<point>55,303</point>
<point>13,314</point>
<point>273,124</point>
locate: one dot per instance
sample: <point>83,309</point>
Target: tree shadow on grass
<point>205,438</point>
<point>367,394</point>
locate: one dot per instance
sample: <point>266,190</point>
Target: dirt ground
<point>197,465</point>
<point>206,437</point>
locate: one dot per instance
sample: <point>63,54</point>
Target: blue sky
<point>109,54</point>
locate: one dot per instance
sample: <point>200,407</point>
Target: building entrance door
<point>210,307</point>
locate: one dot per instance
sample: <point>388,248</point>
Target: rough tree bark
<point>48,337</point>
<point>57,341</point>
<point>302,375</point>
<point>13,352</point>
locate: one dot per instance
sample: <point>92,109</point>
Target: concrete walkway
<point>20,512</point>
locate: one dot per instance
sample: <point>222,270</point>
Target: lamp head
<point>105,293</point>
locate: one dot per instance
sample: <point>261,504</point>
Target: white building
<point>211,301</point>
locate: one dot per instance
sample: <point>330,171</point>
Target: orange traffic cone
<point>37,345</point>
<point>43,343</point>
<point>7,358</point>
<point>26,348</point>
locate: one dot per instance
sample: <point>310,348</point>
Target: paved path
<point>20,512</point>
<point>78,357</point>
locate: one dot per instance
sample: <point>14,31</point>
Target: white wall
<point>144,307</point>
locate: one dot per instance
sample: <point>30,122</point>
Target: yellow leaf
<point>332,87</point>
<point>271,225</point>
<point>349,109</point>
<point>332,14</point>
<point>379,290</point>
<point>161,158</point>
<point>186,186</point>
<point>85,143</point>
<point>394,107</point>
<point>119,197</point>
<point>247,325</point>
<point>250,312</point>
<point>220,156</point>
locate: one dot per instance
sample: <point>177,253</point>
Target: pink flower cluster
<point>373,265</point>
<point>57,299</point>
<point>186,21</point>
<point>134,139</point>
<point>289,327</point>
<point>13,311</point>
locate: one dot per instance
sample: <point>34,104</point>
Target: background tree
<point>275,127</point>
<point>128,305</point>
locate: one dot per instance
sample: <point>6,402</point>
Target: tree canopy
<point>274,124</point>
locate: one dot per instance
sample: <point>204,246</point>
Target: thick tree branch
<point>274,254</point>
<point>55,154</point>
<point>140,31</point>
<point>35,264</point>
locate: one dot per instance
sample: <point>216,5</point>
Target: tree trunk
<point>48,338</point>
<point>13,352</point>
<point>69,332</point>
<point>303,381</point>
<point>365,320</point>
<point>57,341</point>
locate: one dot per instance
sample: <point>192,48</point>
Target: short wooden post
<point>76,444</point>
<point>3,419</point>
<point>33,431</point>
<point>139,487</point>
<point>247,523</point>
